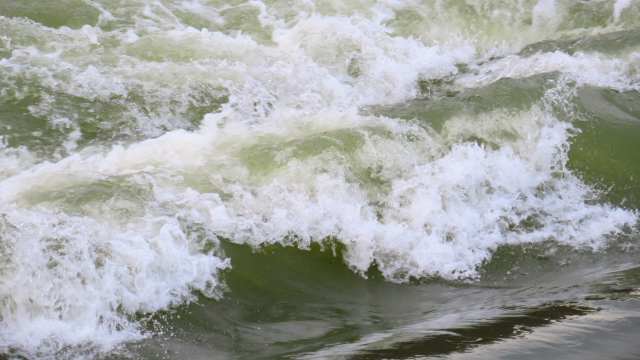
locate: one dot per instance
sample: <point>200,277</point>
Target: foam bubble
<point>71,281</point>
<point>618,7</point>
<point>113,229</point>
<point>587,69</point>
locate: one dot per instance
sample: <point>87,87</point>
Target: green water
<point>319,179</point>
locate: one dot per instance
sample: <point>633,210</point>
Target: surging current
<point>414,138</point>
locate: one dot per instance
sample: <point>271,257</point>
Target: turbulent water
<point>319,179</point>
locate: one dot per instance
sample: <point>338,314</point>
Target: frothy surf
<point>209,128</point>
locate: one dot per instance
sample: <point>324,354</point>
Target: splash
<point>137,142</point>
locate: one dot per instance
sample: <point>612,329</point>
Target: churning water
<point>319,179</point>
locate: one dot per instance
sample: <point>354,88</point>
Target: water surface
<point>319,179</point>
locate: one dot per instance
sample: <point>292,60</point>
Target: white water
<point>137,237</point>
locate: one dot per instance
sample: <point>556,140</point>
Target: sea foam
<point>97,233</point>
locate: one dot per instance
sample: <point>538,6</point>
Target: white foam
<point>545,14</point>
<point>73,281</point>
<point>74,273</point>
<point>91,32</point>
<point>131,36</point>
<point>420,232</point>
<point>586,69</point>
<point>14,160</point>
<point>618,7</point>
<point>443,217</point>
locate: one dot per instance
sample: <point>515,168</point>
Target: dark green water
<point>319,180</point>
